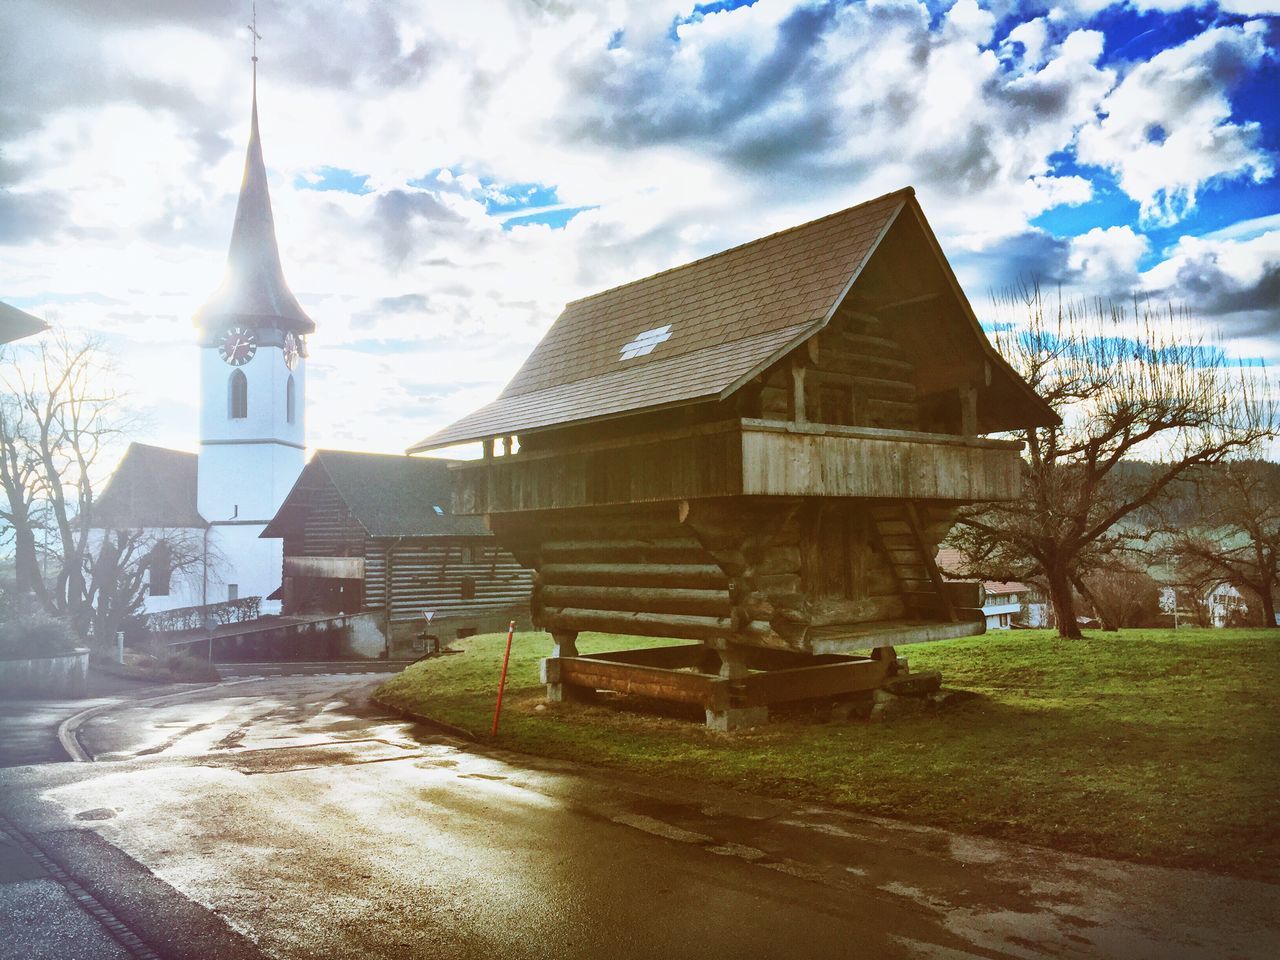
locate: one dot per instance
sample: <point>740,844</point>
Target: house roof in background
<point>152,487</point>
<point>390,495</point>
<point>952,565</point>
<point>16,324</point>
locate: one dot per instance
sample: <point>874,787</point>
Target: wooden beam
<point>636,574</point>
<point>795,402</point>
<point>944,599</point>
<point>641,624</point>
<point>968,410</point>
<point>660,600</point>
<point>645,681</point>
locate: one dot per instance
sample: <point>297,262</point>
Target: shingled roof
<point>715,321</point>
<point>387,494</point>
<point>699,331</point>
<point>152,487</point>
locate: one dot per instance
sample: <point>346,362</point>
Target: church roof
<point>16,324</point>
<point>698,332</point>
<point>390,495</point>
<point>254,290</point>
<point>152,487</point>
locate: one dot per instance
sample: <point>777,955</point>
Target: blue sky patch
<point>334,178</point>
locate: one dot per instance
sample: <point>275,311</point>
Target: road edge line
<point>68,728</point>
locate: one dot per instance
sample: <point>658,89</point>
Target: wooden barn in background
<point>761,451</point>
<point>375,533</point>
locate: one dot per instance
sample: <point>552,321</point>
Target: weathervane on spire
<point>253,31</point>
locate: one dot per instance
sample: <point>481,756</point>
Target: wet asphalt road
<point>290,818</point>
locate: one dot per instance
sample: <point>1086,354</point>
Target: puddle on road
<point>98,813</point>
<point>333,753</point>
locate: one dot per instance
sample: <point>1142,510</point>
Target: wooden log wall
<point>329,530</point>
<point>762,572</point>
<point>428,573</point>
<point>856,375</point>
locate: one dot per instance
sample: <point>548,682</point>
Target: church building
<point>252,336</point>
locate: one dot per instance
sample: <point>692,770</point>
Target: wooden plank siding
<point>743,457</point>
<point>429,573</point>
<point>816,463</point>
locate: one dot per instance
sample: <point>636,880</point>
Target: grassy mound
<point>1146,745</point>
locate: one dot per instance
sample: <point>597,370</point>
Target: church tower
<point>253,349</point>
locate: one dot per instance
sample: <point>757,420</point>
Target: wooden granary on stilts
<point>760,451</point>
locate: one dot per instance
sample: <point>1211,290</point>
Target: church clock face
<point>238,346</point>
<point>292,349</point>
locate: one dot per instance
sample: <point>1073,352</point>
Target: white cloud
<point>124,166</point>
<point>1231,283</point>
<point>1107,259</point>
<point>1167,129</point>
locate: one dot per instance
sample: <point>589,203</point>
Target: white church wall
<point>254,565</point>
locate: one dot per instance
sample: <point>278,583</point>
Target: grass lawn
<point>1146,745</point>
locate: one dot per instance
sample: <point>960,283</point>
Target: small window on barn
<point>160,570</point>
<point>290,400</point>
<point>468,588</point>
<point>238,395</point>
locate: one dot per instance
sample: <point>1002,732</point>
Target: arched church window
<point>238,395</point>
<point>290,400</point>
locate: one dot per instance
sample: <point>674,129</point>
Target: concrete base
<point>735,718</point>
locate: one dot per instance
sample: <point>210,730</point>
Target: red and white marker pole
<point>506,658</point>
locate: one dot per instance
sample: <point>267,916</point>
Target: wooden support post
<point>733,713</point>
<point>795,401</point>
<point>564,644</point>
<point>889,655</point>
<point>968,410</point>
<point>487,446</point>
<point>506,446</point>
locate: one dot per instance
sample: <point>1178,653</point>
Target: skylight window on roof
<point>645,342</point>
<point>438,509</point>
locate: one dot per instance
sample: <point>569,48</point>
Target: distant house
<point>16,324</point>
<point>375,533</point>
<point>1004,601</point>
<point>1226,605</point>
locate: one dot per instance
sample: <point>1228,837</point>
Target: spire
<point>253,289</point>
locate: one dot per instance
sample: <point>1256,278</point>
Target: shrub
<point>182,666</point>
<point>35,634</point>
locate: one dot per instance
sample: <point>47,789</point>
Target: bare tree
<point>125,564</point>
<point>1122,595</point>
<point>1127,383</point>
<point>61,414</point>
<point>1237,537</point>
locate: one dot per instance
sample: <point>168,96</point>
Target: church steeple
<point>254,291</point>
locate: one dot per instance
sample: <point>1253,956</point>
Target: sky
<point>446,175</point>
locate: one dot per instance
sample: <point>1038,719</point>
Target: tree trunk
<point>1268,607</point>
<point>26,563</point>
<point>1064,604</point>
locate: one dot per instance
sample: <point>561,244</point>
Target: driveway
<point>287,817</point>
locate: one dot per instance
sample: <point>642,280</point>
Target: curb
<point>67,728</point>
<point>460,732</point>
<point>112,925</point>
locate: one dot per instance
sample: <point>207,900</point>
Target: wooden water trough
<point>760,452</point>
